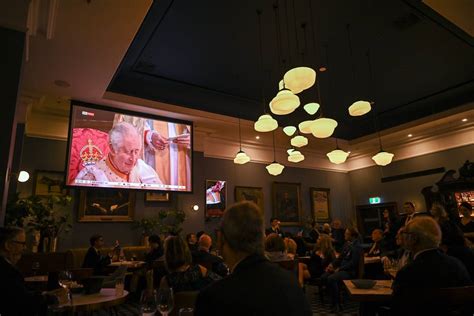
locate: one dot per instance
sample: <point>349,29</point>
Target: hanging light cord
<point>348,28</point>
<point>296,29</point>
<point>259,13</point>
<point>274,153</point>
<point>278,38</point>
<point>371,84</point>
<point>240,136</point>
<point>288,32</point>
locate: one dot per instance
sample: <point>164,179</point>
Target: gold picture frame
<point>320,204</point>
<point>157,197</point>
<point>287,203</point>
<point>102,205</point>
<point>252,194</point>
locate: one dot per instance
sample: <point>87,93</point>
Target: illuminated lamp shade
<point>337,156</point>
<point>323,127</point>
<point>241,158</point>
<point>295,156</point>
<point>289,151</point>
<point>299,79</point>
<point>299,141</point>
<point>289,130</point>
<point>285,102</point>
<point>359,108</point>
<point>275,168</point>
<point>305,126</point>
<point>280,85</point>
<point>311,108</point>
<point>383,158</point>
<point>265,123</point>
<point>23,176</point>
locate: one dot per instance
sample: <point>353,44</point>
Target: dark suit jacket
<point>15,298</point>
<point>96,261</point>
<point>270,230</point>
<point>429,270</point>
<point>379,250</point>
<point>350,258</point>
<point>209,261</point>
<point>256,287</point>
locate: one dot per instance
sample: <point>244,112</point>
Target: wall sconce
<point>195,207</point>
<point>21,176</point>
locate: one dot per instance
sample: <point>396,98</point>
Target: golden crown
<point>90,154</point>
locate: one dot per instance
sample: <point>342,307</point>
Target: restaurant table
<point>37,282</point>
<point>368,260</point>
<point>368,298</point>
<point>304,259</point>
<point>37,278</point>
<point>86,303</point>
<point>129,264</point>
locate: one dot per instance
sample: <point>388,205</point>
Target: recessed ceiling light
<point>410,135</point>
<point>322,69</point>
<point>257,137</point>
<point>464,120</point>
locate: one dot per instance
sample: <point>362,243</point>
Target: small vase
<point>145,241</point>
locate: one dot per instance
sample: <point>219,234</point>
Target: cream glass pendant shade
<point>359,108</point>
<point>383,158</point>
<point>266,123</point>
<point>285,102</point>
<point>299,79</point>
<point>289,130</point>
<point>299,141</point>
<point>241,158</point>
<point>305,126</point>
<point>290,150</point>
<point>295,156</point>
<point>311,108</point>
<point>275,168</point>
<point>323,127</point>
<point>337,156</point>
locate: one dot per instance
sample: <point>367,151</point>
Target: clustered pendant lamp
<point>299,141</point>
<point>382,158</point>
<point>360,107</point>
<point>241,157</point>
<point>265,123</point>
<point>323,127</point>
<point>274,168</point>
<point>295,156</point>
<point>337,156</point>
<point>299,79</point>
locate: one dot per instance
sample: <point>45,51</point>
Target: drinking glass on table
<point>186,311</point>
<point>35,266</point>
<point>65,281</point>
<point>165,300</point>
<point>148,303</point>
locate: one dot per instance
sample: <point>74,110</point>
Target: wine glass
<point>148,303</point>
<point>65,281</point>
<point>35,266</point>
<point>165,300</point>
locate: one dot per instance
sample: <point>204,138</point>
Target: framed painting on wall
<point>287,203</point>
<point>252,194</point>
<point>216,198</point>
<point>157,197</point>
<point>320,206</point>
<point>100,205</point>
<point>48,183</point>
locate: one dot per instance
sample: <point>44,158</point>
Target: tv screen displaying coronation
<point>112,148</point>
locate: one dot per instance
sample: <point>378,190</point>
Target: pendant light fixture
<point>265,123</point>
<point>337,156</point>
<point>289,130</point>
<point>274,168</point>
<point>241,157</point>
<point>295,156</point>
<point>382,158</point>
<point>358,108</point>
<point>311,108</point>
<point>323,127</point>
<point>299,141</point>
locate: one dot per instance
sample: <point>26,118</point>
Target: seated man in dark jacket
<point>156,249</point>
<point>208,260</point>
<point>15,298</point>
<point>255,285</point>
<point>430,270</point>
<point>94,259</point>
<point>343,268</point>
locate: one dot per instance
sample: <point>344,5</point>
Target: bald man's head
<point>205,242</point>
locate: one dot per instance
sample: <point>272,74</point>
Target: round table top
<point>129,264</point>
<point>105,298</point>
<point>37,278</point>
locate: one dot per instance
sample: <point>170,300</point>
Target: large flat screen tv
<point>113,148</point>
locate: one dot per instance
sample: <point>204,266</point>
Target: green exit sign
<point>374,200</point>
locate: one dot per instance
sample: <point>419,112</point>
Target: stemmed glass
<point>65,281</point>
<point>165,300</point>
<point>148,303</point>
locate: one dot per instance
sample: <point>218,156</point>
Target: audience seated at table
<point>15,297</point>
<point>275,249</point>
<point>379,245</point>
<point>156,249</point>
<point>431,269</point>
<point>93,258</point>
<point>401,256</point>
<point>183,275</point>
<point>203,257</point>
<point>410,212</point>
<point>191,239</point>
<point>313,234</point>
<point>337,234</point>
<point>322,255</point>
<point>343,268</point>
<point>255,286</point>
<point>467,221</point>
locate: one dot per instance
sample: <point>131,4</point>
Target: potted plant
<point>49,216</point>
<point>147,226</point>
<point>167,222</point>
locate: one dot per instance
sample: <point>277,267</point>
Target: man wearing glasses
<point>15,298</point>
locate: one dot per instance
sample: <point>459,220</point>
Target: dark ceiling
<point>204,55</point>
